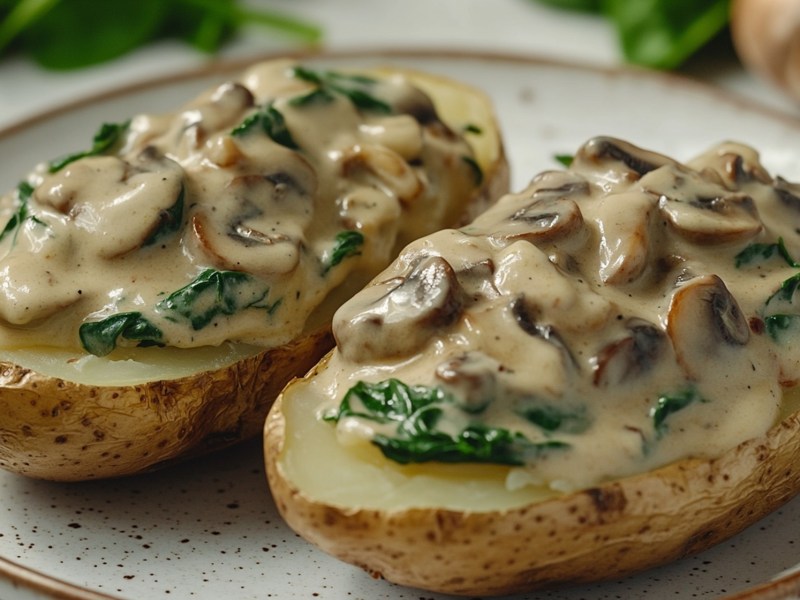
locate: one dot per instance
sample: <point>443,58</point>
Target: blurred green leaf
<point>583,5</point>
<point>71,34</point>
<point>663,34</point>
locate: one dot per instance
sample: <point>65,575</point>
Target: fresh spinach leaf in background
<point>71,34</point>
<point>661,34</point>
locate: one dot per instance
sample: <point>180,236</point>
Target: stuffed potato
<point>588,380</point>
<point>161,287</point>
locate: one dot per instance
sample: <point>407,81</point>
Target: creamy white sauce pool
<point>599,313</point>
<point>231,219</point>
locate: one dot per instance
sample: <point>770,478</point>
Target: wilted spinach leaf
<point>358,88</point>
<point>104,140</point>
<point>100,337</point>
<point>347,243</point>
<point>668,404</point>
<point>271,122</point>
<point>214,293</point>
<point>758,251</point>
<point>24,192</point>
<point>416,411</point>
<point>169,221</point>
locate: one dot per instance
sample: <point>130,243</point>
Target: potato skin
<point>65,431</point>
<point>605,532</point>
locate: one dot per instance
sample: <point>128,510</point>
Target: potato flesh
<point>129,367</point>
<point>360,476</point>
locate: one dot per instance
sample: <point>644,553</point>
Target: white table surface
<point>507,26</point>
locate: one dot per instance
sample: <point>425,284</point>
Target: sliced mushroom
<point>525,316</point>
<point>624,224</point>
<point>477,280</point>
<point>115,205</point>
<point>397,317</point>
<point>735,164</point>
<point>383,168</point>
<point>400,133</point>
<point>472,378</point>
<point>543,221</point>
<point>701,211</point>
<point>703,319</point>
<point>245,249</point>
<point>626,161</point>
<point>256,221</point>
<point>544,212</point>
<point>222,109</point>
<point>631,356</point>
<point>788,194</point>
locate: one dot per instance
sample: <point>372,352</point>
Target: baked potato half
<point>592,378</point>
<point>161,287</point>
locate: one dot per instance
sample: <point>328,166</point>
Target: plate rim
<point>783,587</point>
<point>221,66</point>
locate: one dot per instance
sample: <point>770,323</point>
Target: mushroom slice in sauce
<point>259,229</point>
<point>631,356</point>
<point>477,281</point>
<point>544,212</point>
<point>472,377</point>
<point>704,318</point>
<point>117,206</point>
<point>615,161</point>
<point>397,317</point>
<point>525,316</point>
<point>624,237</point>
<point>221,109</point>
<point>736,164</point>
<point>383,168</point>
<point>700,210</point>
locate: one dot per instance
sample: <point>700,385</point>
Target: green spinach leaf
<point>661,34</point>
<point>101,337</point>
<point>551,418</point>
<point>564,159</point>
<point>169,221</point>
<point>358,88</point>
<point>214,293</point>
<point>664,33</point>
<point>71,34</point>
<point>668,404</point>
<point>104,140</point>
<point>759,252</point>
<point>477,172</point>
<point>347,243</point>
<point>416,411</point>
<point>24,192</point>
<point>780,310</point>
<point>270,121</point>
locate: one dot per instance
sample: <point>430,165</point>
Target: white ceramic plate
<point>208,529</point>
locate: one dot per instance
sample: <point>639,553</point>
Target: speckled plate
<point>208,529</point>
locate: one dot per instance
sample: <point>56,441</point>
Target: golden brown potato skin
<point>605,532</point>
<point>59,430</point>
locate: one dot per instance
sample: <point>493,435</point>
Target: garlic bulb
<point>766,34</point>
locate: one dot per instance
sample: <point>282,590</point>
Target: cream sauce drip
<point>600,308</point>
<point>180,196</point>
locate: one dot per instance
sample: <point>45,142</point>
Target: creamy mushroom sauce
<point>599,316</point>
<point>230,219</point>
